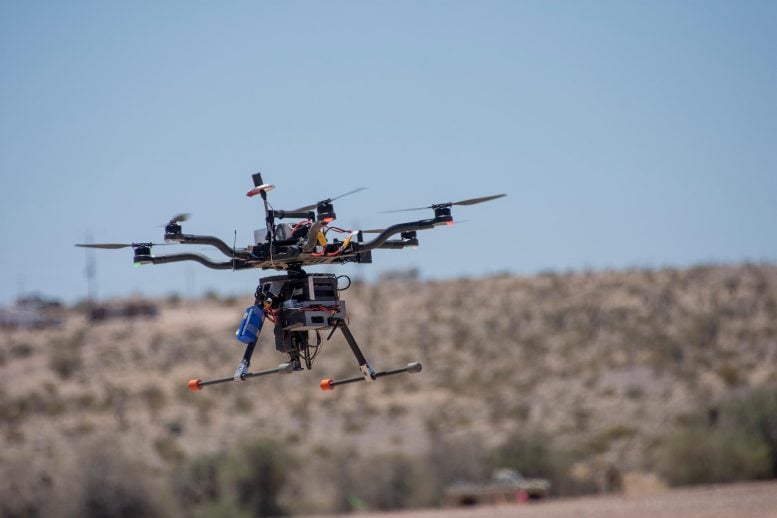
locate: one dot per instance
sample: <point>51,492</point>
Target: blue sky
<point>627,134</point>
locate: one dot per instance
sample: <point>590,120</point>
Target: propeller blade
<point>107,246</point>
<point>328,200</point>
<point>381,230</point>
<point>347,194</point>
<point>473,201</point>
<point>405,210</point>
<point>180,218</point>
<point>305,208</point>
<point>115,246</point>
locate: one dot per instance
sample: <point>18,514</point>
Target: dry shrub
<point>755,413</point>
<point>247,482</point>
<point>740,443</point>
<point>99,480</point>
<point>24,490</point>
<point>535,454</point>
<point>155,399</point>
<point>698,455</point>
<point>457,458</point>
<point>65,356</point>
<point>65,361</point>
<point>110,484</point>
<point>531,453</point>
<point>391,481</point>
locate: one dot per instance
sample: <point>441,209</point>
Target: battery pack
<point>251,325</point>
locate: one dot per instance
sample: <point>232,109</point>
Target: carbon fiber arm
<point>237,264</point>
<point>190,239</point>
<point>382,238</point>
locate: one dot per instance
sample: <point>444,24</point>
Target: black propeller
<point>178,218</point>
<point>328,200</point>
<point>471,201</point>
<point>381,230</point>
<point>115,246</point>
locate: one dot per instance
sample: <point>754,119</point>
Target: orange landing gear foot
<point>326,384</point>
<point>194,385</point>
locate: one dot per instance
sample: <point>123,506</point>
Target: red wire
<point>333,309</point>
<point>304,221</point>
<point>271,315</point>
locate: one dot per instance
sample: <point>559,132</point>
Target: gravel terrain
<point>753,500</point>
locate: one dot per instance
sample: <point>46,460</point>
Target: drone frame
<point>291,253</point>
<point>279,255</point>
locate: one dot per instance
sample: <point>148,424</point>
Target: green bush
<point>65,361</point>
<point>247,482</point>
<point>113,485</point>
<point>199,481</point>
<point>601,442</point>
<point>739,443</point>
<point>154,397</point>
<point>532,454</point>
<point>697,455</point>
<point>263,477</point>
<point>755,413</point>
<point>387,481</point>
<point>65,354</point>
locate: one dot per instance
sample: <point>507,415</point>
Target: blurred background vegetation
<point>586,379</point>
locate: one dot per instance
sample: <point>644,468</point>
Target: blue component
<point>251,325</point>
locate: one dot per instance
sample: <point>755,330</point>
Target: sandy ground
<point>755,500</point>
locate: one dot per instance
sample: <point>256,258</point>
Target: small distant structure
<point>506,486</point>
<point>32,312</point>
<point>400,275</point>
<point>126,309</point>
<point>102,311</point>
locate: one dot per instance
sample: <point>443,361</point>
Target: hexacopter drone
<point>297,302</point>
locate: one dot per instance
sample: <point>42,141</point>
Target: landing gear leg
<point>368,373</point>
<point>242,368</point>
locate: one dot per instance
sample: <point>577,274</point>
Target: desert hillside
<point>591,380</point>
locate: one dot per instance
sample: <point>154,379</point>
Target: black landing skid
<point>367,372</point>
